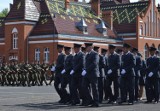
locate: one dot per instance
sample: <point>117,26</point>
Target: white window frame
<point>141,30</point>
<point>37,54</point>
<point>46,55</point>
<point>15,38</point>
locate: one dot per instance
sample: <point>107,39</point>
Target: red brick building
<point>33,28</point>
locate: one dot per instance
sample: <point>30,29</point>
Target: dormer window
<point>82,26</point>
<point>15,38</point>
<point>101,28</point>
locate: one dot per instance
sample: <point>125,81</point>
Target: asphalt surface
<point>44,98</point>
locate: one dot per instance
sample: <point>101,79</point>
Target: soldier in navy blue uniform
<point>58,69</point>
<point>152,77</point>
<point>66,77</point>
<point>104,55</point>
<point>76,82</point>
<point>112,74</point>
<point>137,68</point>
<point>142,77</point>
<point>91,74</point>
<point>102,74</point>
<point>127,75</point>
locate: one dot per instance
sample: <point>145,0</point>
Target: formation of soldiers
<point>23,74</point>
<point>115,75</point>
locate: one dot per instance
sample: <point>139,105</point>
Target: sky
<point>5,3</point>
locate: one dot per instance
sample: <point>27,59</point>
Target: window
<point>85,30</point>
<point>46,55</point>
<point>145,29</point>
<point>141,30</point>
<point>147,26</point>
<point>37,54</point>
<point>15,38</point>
<point>151,24</point>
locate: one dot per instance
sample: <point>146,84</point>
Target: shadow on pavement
<point>49,106</point>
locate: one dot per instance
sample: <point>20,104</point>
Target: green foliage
<point>4,12</point>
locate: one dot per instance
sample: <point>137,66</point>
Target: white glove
<point>84,73</point>
<point>150,74</point>
<point>123,72</point>
<point>63,71</point>
<point>72,71</point>
<point>109,72</point>
<point>53,68</point>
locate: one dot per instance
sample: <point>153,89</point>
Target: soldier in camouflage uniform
<point>3,75</point>
<point>44,69</point>
<point>52,73</point>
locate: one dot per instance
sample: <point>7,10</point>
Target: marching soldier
<point>103,53</point>
<point>76,82</point>
<point>90,76</point>
<point>152,77</point>
<point>66,77</point>
<point>58,69</point>
<point>127,75</point>
<point>112,74</point>
<point>137,68</point>
<point>4,77</point>
<point>43,73</point>
<point>142,77</point>
<point>101,73</point>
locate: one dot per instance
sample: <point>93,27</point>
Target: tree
<point>4,12</point>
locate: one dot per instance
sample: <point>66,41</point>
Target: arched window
<point>46,55</point>
<point>15,38</point>
<point>141,30</point>
<point>146,52</point>
<point>37,54</point>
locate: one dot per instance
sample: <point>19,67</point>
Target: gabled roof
<point>65,20</point>
<point>126,13</point>
<point>2,27</point>
<point>45,25</point>
<point>23,10</point>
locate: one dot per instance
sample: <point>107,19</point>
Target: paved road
<point>45,99</point>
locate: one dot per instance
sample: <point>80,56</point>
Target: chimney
<point>14,1</point>
<point>67,4</point>
<point>10,5</point>
<point>107,16</point>
<point>95,6</point>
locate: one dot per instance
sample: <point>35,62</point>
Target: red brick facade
<point>41,27</point>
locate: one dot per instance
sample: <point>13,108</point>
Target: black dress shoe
<point>147,102</point>
<point>130,103</point>
<point>95,105</point>
<point>75,103</point>
<point>155,102</point>
<point>110,102</point>
<point>121,102</point>
<point>60,101</point>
